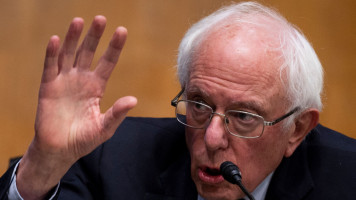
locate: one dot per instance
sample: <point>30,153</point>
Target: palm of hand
<point>69,121</point>
<point>69,116</point>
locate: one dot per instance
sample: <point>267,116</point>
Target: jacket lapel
<point>176,182</point>
<point>292,179</point>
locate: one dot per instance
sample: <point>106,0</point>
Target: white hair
<point>300,71</point>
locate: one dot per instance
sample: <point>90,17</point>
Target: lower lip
<point>207,178</point>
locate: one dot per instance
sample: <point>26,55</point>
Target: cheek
<point>259,157</point>
<point>195,141</point>
<point>195,144</point>
<point>269,150</point>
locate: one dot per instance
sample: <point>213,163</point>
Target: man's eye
<point>200,107</point>
<point>242,117</point>
<point>245,117</point>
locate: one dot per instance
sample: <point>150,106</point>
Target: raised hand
<point>69,123</point>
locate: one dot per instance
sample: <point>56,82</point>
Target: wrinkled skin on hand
<point>69,123</point>
<point>68,117</point>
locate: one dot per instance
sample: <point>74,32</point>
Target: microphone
<point>232,174</point>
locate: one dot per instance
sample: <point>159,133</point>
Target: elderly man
<point>251,86</point>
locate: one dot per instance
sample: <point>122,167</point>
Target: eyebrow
<point>250,105</point>
<point>195,90</point>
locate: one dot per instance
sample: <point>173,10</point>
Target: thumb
<point>116,114</point>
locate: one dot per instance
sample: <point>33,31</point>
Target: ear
<point>304,123</point>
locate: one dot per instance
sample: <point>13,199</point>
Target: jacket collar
<point>292,179</point>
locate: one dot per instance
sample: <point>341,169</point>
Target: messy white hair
<point>300,70</point>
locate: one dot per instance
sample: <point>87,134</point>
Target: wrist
<point>39,172</point>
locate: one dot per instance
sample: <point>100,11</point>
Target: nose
<point>215,134</point>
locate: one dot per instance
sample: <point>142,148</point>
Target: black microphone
<point>232,174</point>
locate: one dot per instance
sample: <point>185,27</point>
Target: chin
<point>210,192</point>
<point>218,196</point>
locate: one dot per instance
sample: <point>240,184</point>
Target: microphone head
<point>230,172</point>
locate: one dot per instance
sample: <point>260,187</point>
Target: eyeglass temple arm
<point>282,118</point>
<point>174,101</point>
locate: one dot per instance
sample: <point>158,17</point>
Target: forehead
<point>238,60</point>
<point>254,47</point>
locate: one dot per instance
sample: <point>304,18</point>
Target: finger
<point>116,114</point>
<point>66,54</point>
<point>87,49</point>
<point>108,61</point>
<point>50,69</point>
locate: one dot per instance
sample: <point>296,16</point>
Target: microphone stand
<point>232,174</point>
<point>242,187</point>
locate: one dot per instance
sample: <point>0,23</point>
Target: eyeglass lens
<point>239,123</point>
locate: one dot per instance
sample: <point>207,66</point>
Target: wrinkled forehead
<point>254,48</point>
<point>244,60</point>
<point>243,37</point>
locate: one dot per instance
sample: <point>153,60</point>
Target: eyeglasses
<point>238,123</point>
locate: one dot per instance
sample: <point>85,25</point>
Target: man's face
<point>234,70</point>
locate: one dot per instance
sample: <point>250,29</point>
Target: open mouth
<point>210,175</point>
<point>212,172</point>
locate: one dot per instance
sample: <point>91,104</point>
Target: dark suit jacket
<point>147,159</point>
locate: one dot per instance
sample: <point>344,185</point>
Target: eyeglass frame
<point>175,101</point>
